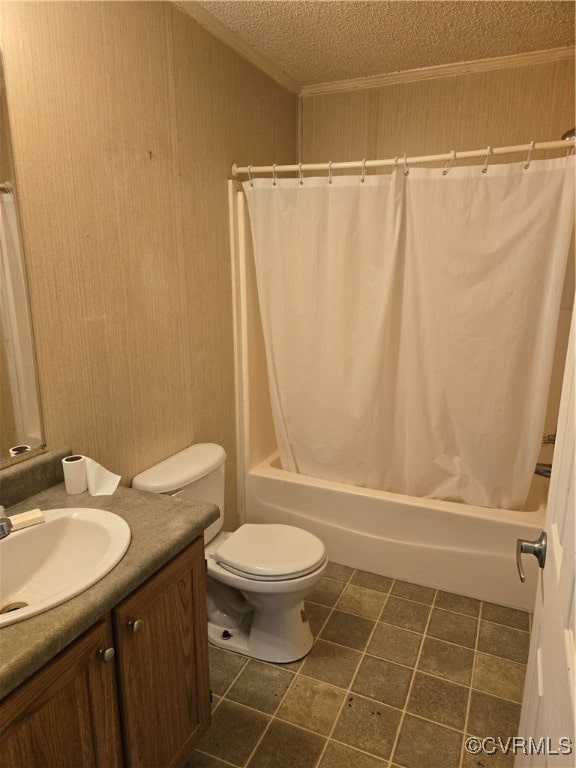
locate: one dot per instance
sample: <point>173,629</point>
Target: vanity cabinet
<point>162,663</point>
<point>67,714</point>
<point>143,706</point>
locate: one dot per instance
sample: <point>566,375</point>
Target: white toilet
<point>258,576</point>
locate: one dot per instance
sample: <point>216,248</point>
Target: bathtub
<point>458,548</point>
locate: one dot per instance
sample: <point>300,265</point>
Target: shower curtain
<point>410,321</point>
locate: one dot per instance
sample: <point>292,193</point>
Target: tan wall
<point>126,118</point>
<point>502,107</point>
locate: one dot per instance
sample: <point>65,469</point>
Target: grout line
<point>506,626</point>
<point>242,668</point>
<point>463,752</point>
<point>347,691</point>
<point>416,662</point>
<point>385,763</point>
<point>293,683</point>
<point>477,617</point>
<point>221,759</point>
<point>352,679</point>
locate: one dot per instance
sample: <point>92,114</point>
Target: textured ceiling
<point>316,41</point>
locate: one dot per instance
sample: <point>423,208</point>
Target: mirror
<point>20,415</point>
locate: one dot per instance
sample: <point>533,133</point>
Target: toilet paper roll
<point>82,473</point>
<point>75,474</point>
<point>101,482</point>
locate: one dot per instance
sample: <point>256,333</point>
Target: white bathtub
<point>454,547</point>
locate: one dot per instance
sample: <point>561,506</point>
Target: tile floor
<point>398,676</point>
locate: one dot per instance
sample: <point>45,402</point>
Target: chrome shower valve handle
<point>536,548</point>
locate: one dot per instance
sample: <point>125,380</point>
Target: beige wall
<point>497,108</point>
<point>126,118</point>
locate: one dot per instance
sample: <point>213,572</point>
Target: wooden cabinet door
<point>66,715</point>
<point>162,663</point>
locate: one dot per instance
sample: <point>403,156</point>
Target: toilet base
<point>277,636</point>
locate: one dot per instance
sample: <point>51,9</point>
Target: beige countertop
<point>160,526</point>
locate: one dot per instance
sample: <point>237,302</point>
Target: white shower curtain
<point>410,323</point>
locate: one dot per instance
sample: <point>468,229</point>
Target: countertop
<point>160,526</point>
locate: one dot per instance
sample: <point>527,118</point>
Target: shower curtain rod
<point>365,164</point>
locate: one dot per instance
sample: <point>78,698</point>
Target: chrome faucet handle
<point>2,512</point>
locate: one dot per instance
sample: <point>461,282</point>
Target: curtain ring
<point>394,168</point>
<point>250,177</point>
<point>488,153</point>
<point>300,174</point>
<point>406,170</point>
<point>363,179</point>
<point>449,163</point>
<point>527,163</point>
<point>329,171</point>
<point>274,175</point>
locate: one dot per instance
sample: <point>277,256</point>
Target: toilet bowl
<point>258,575</point>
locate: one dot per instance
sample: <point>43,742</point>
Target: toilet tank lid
<point>181,469</point>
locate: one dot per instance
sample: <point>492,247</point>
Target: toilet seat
<point>270,552</point>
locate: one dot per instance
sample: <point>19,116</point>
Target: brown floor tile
<point>413,592</point>
<point>331,663</point>
<point>438,700</point>
<point>326,592</point>
<point>427,745</point>
<point>200,760</point>
<point>312,704</point>
<point>453,627</point>
<point>260,686</point>
<point>361,601</point>
<point>500,677</point>
<point>339,756</point>
<point>338,572</point>
<point>234,732</point>
<point>372,581</point>
<point>351,609</point>
<point>383,680</point>
<point>367,725</point>
<point>446,660</point>
<point>347,629</point>
<point>317,615</point>
<point>492,716</point>
<point>395,644</point>
<point>511,617</point>
<point>224,667</point>
<point>458,603</point>
<point>286,746</point>
<point>507,642</point>
<point>405,613</point>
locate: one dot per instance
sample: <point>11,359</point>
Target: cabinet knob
<point>135,625</point>
<point>106,655</point>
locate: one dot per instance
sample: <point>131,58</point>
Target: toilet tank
<point>194,474</point>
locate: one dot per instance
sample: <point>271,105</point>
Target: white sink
<point>46,564</point>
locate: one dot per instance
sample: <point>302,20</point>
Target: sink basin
<point>46,564</point>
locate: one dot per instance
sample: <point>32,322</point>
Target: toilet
<point>258,575</point>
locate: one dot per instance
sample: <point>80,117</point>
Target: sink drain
<point>9,607</point>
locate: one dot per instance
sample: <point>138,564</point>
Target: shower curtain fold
<point>409,323</point>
